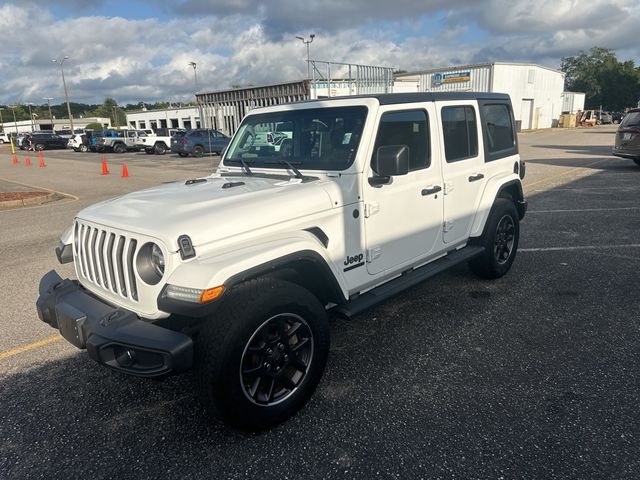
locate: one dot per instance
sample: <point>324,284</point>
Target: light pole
<point>66,94</point>
<point>307,42</point>
<point>195,77</point>
<point>115,116</point>
<point>48,99</point>
<point>31,117</point>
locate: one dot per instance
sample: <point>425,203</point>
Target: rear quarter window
<point>498,130</point>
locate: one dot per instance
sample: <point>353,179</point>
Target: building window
<point>410,128</point>
<point>460,131</point>
<point>532,76</point>
<point>142,125</point>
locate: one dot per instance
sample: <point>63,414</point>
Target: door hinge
<point>447,226</point>
<point>371,209</point>
<point>448,188</point>
<point>373,253</point>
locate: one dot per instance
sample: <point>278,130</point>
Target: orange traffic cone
<point>28,162</point>
<point>14,160</point>
<point>42,164</point>
<point>125,171</point>
<point>105,169</point>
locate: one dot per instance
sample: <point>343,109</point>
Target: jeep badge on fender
<point>234,275</point>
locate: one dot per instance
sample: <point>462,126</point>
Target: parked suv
<point>44,141</point>
<point>234,274</point>
<point>627,143</point>
<point>199,141</point>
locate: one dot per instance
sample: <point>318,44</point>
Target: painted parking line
<point>579,247</point>
<point>29,346</point>
<point>550,179</point>
<point>578,210</point>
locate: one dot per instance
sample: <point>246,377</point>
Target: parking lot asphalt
<point>534,375</point>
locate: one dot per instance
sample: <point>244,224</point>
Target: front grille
<point>105,259</point>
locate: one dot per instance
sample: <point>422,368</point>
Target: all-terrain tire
<point>499,239</point>
<point>119,148</point>
<point>149,151</point>
<point>160,148</point>
<point>258,321</point>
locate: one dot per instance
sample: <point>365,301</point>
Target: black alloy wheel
<point>276,359</point>
<point>504,239</point>
<point>499,241</point>
<point>160,149</point>
<point>39,147</point>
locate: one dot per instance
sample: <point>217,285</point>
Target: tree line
<point>607,82</point>
<point>108,109</point>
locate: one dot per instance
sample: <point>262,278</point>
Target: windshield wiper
<point>290,166</point>
<point>245,166</point>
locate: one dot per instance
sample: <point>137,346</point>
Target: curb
<point>28,202</point>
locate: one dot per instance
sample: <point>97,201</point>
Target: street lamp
<point>66,94</point>
<point>307,42</point>
<point>31,117</point>
<point>48,99</point>
<point>195,77</point>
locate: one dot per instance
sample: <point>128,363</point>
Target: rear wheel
<point>119,148</point>
<point>83,148</point>
<point>500,241</point>
<point>259,360</point>
<point>198,151</point>
<point>160,148</point>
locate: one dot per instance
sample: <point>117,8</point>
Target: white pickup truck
<point>234,275</point>
<point>160,143</point>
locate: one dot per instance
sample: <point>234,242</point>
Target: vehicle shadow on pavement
<point>604,150</point>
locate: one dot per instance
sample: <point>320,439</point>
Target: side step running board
<point>407,280</point>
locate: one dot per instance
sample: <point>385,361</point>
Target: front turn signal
<point>211,294</point>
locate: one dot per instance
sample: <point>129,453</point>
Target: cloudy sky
<point>139,50</point>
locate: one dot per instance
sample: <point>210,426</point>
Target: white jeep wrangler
<point>234,274</point>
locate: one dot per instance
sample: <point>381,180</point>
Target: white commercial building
<point>177,117</point>
<point>58,124</point>
<point>535,91</point>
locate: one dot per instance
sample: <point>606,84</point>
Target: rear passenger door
<point>463,167</point>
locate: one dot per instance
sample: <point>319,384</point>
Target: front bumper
<point>114,337</point>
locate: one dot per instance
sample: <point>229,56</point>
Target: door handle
<point>476,177</point>
<point>431,190</point>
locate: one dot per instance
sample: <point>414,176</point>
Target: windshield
<point>314,139</point>
<point>631,119</point>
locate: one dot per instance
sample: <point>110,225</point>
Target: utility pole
<point>13,109</point>
<point>48,99</point>
<point>66,93</point>
<point>307,42</point>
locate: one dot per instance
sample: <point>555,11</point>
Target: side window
<point>498,128</point>
<point>460,131</point>
<point>410,128</point>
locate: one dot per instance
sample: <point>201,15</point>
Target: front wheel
<point>83,148</point>
<point>500,241</point>
<point>119,148</point>
<point>39,147</point>
<point>183,154</point>
<point>160,149</point>
<point>259,360</point>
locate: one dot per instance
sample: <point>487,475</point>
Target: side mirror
<point>391,160</point>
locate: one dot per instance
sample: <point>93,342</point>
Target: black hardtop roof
<point>394,98</point>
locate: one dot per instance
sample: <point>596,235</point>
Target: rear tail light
<point>183,141</point>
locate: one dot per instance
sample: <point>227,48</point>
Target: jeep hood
<point>211,208</point>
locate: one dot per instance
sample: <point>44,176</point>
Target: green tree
<point>94,126</point>
<point>606,81</point>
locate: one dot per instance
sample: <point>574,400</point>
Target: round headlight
<point>150,263</point>
<point>157,259</point>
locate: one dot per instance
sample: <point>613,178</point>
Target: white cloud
<point>243,42</point>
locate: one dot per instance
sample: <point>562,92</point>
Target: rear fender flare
<point>496,187</point>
